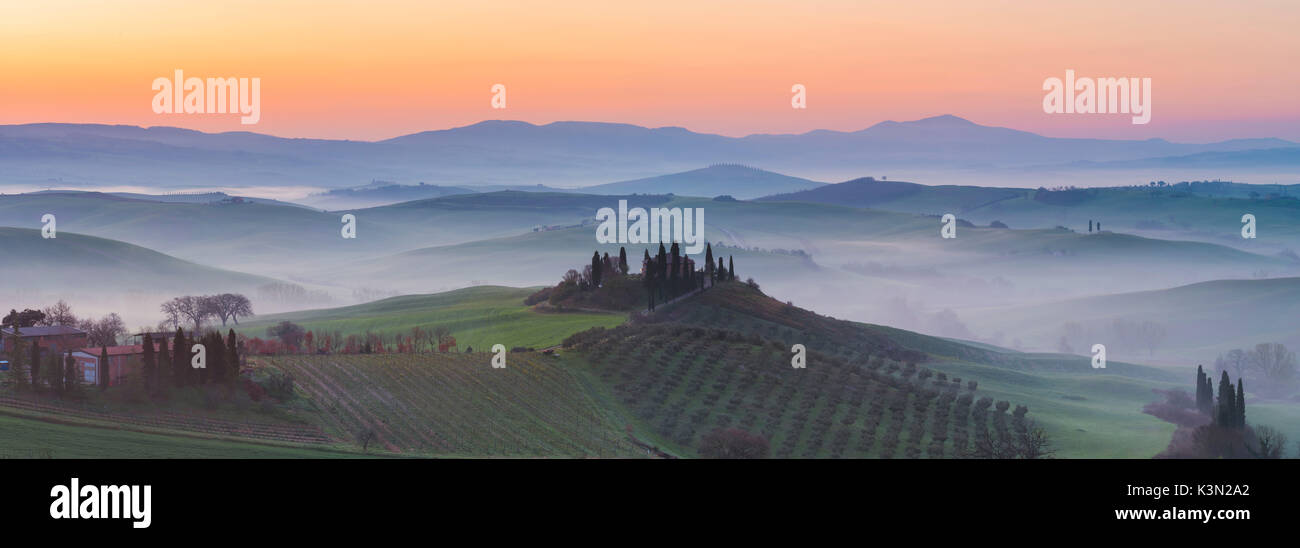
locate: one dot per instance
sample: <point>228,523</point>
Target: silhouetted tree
<point>180,359</point>
<point>708,262</point>
<point>595,269</point>
<point>1240,421</point>
<point>102,371</point>
<point>232,356</point>
<point>69,373</point>
<point>622,260</point>
<point>1227,412</point>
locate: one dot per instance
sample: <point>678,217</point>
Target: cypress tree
<point>661,265</point>
<point>675,271</point>
<point>150,366</point>
<point>1227,411</point>
<point>195,338</point>
<point>232,357</point>
<point>1200,381</point>
<point>54,368</point>
<point>103,370</point>
<point>216,349</point>
<point>708,262</point>
<point>731,268</point>
<point>648,280</point>
<point>17,369</point>
<point>70,379</point>
<point>595,269</point>
<point>622,260</point>
<point>1209,395</point>
<point>1241,403</point>
<point>36,365</point>
<point>180,361</point>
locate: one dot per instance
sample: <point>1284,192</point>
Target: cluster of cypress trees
<point>670,274</point>
<point>162,369</point>
<point>1230,409</point>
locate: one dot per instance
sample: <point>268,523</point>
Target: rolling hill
<point>72,262</point>
<point>738,181</point>
<point>1200,321</point>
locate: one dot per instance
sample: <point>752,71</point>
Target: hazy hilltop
<point>737,181</point>
<point>1208,211</point>
<point>574,154</point>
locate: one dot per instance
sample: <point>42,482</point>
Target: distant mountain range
<point>578,154</point>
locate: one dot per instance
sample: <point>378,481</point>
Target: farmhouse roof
<point>44,331</point>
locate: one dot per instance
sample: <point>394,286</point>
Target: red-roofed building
<point>123,361</point>
<point>55,338</point>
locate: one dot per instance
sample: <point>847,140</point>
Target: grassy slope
<point>33,438</point>
<point>477,316</point>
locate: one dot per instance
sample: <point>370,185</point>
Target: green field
<point>34,438</point>
<point>478,317</point>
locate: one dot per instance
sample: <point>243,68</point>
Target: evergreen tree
<point>731,268</point>
<point>661,276</point>
<point>36,365</point>
<point>708,262</point>
<point>17,357</point>
<point>180,360</point>
<point>1241,403</point>
<point>54,373</point>
<point>1204,392</point>
<point>648,280</point>
<point>196,338</point>
<point>595,269</point>
<point>216,350</point>
<point>1200,385</point>
<point>722,271</point>
<point>70,373</point>
<point>102,371</point>
<point>1227,411</point>
<point>232,356</point>
<point>150,366</point>
<point>622,260</point>
<point>675,271</point>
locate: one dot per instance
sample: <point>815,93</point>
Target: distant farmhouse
<point>51,338</point>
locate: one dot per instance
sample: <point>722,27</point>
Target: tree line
<point>608,282</point>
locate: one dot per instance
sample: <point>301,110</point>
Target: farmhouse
<point>55,338</point>
<point>123,361</point>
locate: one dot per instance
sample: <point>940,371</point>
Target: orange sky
<point>377,69</point>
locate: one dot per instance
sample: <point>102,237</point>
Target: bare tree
<point>1234,362</point>
<point>1273,362</point>
<point>193,309</point>
<point>365,435</point>
<point>1270,441</point>
<point>59,314</point>
<point>229,307</point>
<point>105,331</point>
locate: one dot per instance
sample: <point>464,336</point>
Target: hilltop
<point>738,181</point>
